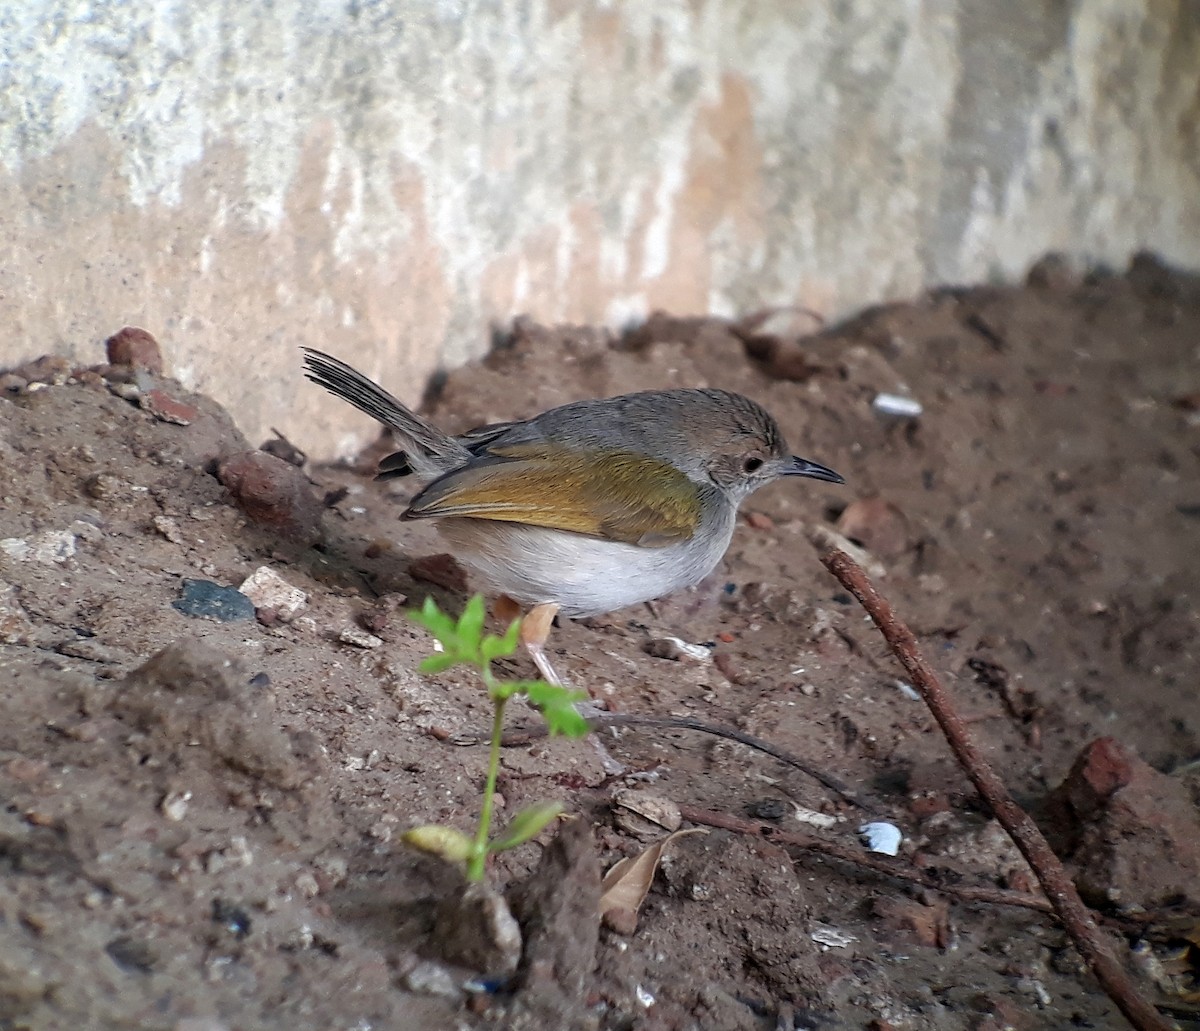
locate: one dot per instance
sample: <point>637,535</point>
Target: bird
<point>588,507</point>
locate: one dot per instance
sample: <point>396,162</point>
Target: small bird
<point>590,506</point>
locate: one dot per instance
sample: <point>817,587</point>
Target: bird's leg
<point>535,630</point>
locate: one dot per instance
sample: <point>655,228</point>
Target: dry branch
<point>1055,882</point>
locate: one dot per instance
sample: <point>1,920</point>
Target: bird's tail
<point>429,450</point>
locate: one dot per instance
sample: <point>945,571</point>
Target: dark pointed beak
<point>803,467</point>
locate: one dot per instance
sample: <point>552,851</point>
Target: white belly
<point>584,576</point>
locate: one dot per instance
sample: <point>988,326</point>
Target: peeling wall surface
<point>387,180</point>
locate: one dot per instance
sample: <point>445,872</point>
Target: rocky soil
<point>203,788</point>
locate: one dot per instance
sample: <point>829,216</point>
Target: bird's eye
<point>752,464</point>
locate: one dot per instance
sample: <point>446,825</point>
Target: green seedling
<point>464,643</point>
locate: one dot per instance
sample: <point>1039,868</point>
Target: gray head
<point>739,446</point>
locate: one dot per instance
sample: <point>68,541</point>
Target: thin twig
<point>864,860</point>
<point>630,719</point>
<point>1055,882</point>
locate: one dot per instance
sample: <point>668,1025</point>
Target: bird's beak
<point>797,466</point>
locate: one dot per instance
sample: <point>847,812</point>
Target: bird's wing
<point>613,495</point>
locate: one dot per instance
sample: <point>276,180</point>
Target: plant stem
<point>479,851</point>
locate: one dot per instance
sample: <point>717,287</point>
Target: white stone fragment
<point>359,638</point>
<point>51,547</point>
<point>268,590</point>
<point>897,405</point>
<point>881,837</point>
<point>831,937</point>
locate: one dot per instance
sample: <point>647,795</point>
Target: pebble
<point>135,347</point>
<point>677,649</point>
<point>759,521</point>
<point>168,528</point>
<point>15,626</point>
<point>203,598</point>
<point>426,977</point>
<point>898,406</point>
<point>359,637</point>
<point>165,408</point>
<point>442,570</point>
<point>51,547</point>
<point>281,447</point>
<point>273,494</point>
<point>175,805</point>
<point>881,837</point>
<point>268,590</point>
<point>103,485</point>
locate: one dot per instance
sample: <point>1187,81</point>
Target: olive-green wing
<point>614,495</point>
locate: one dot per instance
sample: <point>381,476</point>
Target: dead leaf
<point>627,883</point>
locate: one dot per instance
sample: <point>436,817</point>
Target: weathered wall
<point>385,179</point>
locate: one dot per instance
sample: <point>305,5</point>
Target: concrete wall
<point>384,180</point>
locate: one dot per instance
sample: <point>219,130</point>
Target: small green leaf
<point>494,647</point>
<point>470,623</point>
<point>526,824</point>
<point>557,705</point>
<point>436,622</point>
<point>437,663</point>
<point>450,844</point>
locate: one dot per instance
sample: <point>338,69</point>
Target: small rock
<point>86,531</point>
<point>268,590</point>
<point>925,925</point>
<point>131,953</point>
<point>175,805</point>
<point>273,494</point>
<point>876,524</point>
<point>729,668</point>
<point>49,368</point>
<point>359,638</point>
<point>1054,272</point>
<point>760,521</point>
<point>165,408</point>
<point>898,406</point>
<point>426,977</point>
<point>1131,833</point>
<point>477,930</point>
<point>168,528</point>
<point>385,615</point>
<point>104,485</point>
<point>281,447</point>
<point>51,547</point>
<point>203,598</point>
<point>442,570</point>
<point>677,649</point>
<point>134,347</point>
<point>15,625</point>
<point>26,770</point>
<point>768,809</point>
<point>307,885</point>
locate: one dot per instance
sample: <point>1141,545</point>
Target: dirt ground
<point>201,818</point>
